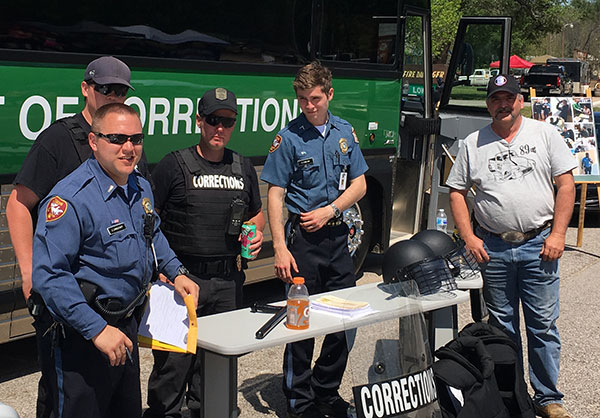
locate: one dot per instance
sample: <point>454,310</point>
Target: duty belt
<point>518,237</point>
<point>218,267</point>
<point>295,220</point>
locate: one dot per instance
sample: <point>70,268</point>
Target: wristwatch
<point>336,211</point>
<point>182,271</point>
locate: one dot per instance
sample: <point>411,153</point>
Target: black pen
<point>129,355</point>
<point>271,323</point>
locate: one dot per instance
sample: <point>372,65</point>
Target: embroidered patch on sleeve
<point>276,143</point>
<point>354,135</point>
<point>55,209</point>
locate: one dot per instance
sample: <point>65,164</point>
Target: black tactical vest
<point>198,225</point>
<point>79,136</point>
<point>465,381</point>
<point>507,368</point>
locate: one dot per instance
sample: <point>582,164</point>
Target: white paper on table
<point>343,313</point>
<point>166,317</point>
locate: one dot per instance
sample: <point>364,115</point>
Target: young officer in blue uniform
<point>317,161</point>
<point>96,246</point>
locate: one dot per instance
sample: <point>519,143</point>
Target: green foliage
<point>445,15</point>
<point>532,19</point>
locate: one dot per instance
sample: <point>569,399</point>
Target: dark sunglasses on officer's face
<point>120,139</point>
<point>105,89</point>
<point>214,120</point>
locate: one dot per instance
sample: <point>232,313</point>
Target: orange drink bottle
<point>298,305</point>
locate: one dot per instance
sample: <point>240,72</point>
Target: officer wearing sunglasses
<point>203,194</point>
<point>96,247</point>
<point>57,151</point>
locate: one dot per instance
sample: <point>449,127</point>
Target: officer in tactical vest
<point>56,152</point>
<point>203,194</point>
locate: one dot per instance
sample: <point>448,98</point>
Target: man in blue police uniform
<point>56,152</point>
<point>96,247</point>
<point>317,161</point>
<point>203,194</point>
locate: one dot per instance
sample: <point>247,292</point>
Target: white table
<point>223,337</point>
<point>474,286</point>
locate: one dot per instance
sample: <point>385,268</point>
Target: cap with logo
<point>216,99</point>
<point>503,82</point>
<point>108,70</point>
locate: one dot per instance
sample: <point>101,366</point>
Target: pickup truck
<point>480,77</point>
<point>546,80</point>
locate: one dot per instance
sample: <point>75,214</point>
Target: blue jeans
<point>516,273</point>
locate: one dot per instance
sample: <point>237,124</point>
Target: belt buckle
<point>513,237</point>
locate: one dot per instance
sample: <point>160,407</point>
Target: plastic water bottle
<point>298,305</point>
<point>441,221</point>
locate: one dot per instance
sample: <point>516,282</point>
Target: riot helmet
<point>412,260</point>
<point>461,263</point>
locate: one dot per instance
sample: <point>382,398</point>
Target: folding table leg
<point>219,378</point>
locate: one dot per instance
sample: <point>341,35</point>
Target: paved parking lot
<point>259,373</point>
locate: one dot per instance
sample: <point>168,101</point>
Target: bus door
<point>462,108</point>
<point>416,118</point>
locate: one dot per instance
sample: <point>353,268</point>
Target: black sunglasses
<point>120,139</point>
<point>214,120</point>
<point>120,90</point>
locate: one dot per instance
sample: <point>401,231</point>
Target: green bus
<point>178,50</point>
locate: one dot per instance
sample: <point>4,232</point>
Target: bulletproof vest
<point>198,225</point>
<point>79,136</point>
<point>508,368</point>
<point>465,381</point>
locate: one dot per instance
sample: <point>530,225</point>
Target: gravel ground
<point>259,373</point>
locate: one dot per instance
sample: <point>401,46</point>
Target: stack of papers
<point>169,322</point>
<point>341,307</point>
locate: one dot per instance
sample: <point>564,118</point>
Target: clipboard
<point>169,322</point>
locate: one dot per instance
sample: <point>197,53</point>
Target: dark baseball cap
<point>503,82</point>
<point>108,70</point>
<point>215,99</point>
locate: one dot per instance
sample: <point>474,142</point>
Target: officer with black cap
<point>56,152</point>
<point>203,194</point>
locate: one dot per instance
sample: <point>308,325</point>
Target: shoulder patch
<point>354,135</point>
<point>55,209</point>
<point>276,143</point>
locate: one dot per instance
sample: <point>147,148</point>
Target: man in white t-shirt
<point>521,227</point>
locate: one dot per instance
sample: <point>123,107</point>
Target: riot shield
<point>390,362</point>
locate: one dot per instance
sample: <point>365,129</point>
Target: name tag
<point>113,229</point>
<point>343,180</point>
<point>305,162</point>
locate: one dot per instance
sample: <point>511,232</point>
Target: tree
<point>532,19</point>
<point>445,15</point>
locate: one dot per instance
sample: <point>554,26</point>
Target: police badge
<point>343,145</point>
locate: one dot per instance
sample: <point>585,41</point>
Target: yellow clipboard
<point>192,335</point>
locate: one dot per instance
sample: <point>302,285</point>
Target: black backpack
<point>483,365</point>
<point>465,381</point>
<point>508,368</point>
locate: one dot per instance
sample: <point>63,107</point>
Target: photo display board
<point>573,118</point>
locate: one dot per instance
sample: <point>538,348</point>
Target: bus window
<point>413,83</point>
<point>360,32</point>
<point>277,31</point>
<point>481,45</point>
